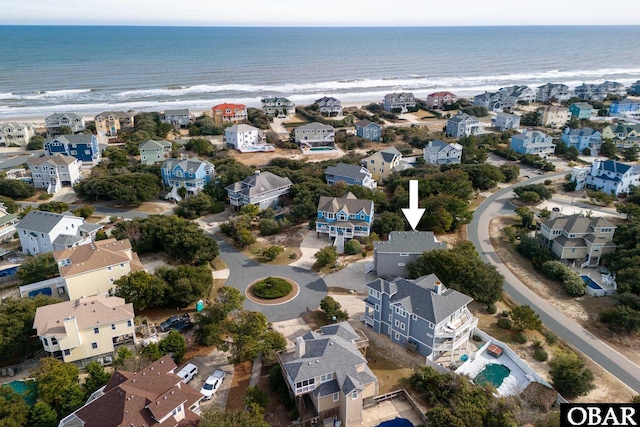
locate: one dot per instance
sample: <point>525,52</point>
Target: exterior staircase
<point>173,194</point>
<point>339,243</point>
<point>369,267</point>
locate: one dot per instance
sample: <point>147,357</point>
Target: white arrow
<point>414,213</point>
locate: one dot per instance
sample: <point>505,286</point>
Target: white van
<point>188,372</point>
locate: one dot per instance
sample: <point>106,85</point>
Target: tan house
<point>152,397</point>
<point>85,327</point>
<point>229,113</point>
<point>110,123</point>
<point>382,163</point>
<point>328,375</point>
<point>578,238</point>
<point>554,115</point>
<point>91,269</point>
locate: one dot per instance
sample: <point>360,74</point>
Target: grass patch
<point>272,288</point>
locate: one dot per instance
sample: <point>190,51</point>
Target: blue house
<point>368,130</point>
<point>191,174</point>
<point>421,315</point>
<point>350,175</point>
<point>83,147</point>
<point>344,218</point>
<point>581,110</point>
<point>623,106</point>
<point>533,142</point>
<point>582,138</point>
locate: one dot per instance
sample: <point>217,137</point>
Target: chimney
<point>438,288</point>
<point>430,143</point>
<point>555,213</point>
<point>300,347</point>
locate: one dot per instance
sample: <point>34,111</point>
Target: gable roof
<point>578,223</point>
<point>409,242</point>
<point>58,116</point>
<point>390,154</point>
<point>182,112</point>
<point>314,125</point>
<point>100,254</point>
<point>348,170</point>
<point>187,165</point>
<point>461,117</point>
<point>43,222</point>
<point>347,204</point>
<point>241,128</point>
<point>152,144</point>
<point>56,159</point>
<point>223,107</point>
<point>613,166</point>
<point>364,123</point>
<point>438,145</point>
<point>81,138</point>
<point>118,114</point>
<point>389,96</point>
<point>260,182</point>
<point>581,132</point>
<point>440,94</point>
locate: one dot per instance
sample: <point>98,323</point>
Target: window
<point>111,280</point>
<point>431,325</point>
<point>129,323</point>
<point>354,395</point>
<point>402,325</point>
<point>404,254</point>
<point>94,345</point>
<point>336,396</point>
<point>400,311</point>
<point>390,317</point>
<point>96,330</point>
<point>45,341</point>
<point>397,323</point>
<point>122,265</point>
<point>113,326</point>
<point>67,352</point>
<point>414,316</point>
<point>326,377</point>
<point>377,307</point>
<point>54,341</point>
<point>401,264</point>
<point>397,336</point>
<point>109,268</point>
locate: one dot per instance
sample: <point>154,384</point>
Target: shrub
<point>332,308</point>
<point>352,247</point>
<point>548,182</point>
<point>504,323</point>
<point>505,313</point>
<point>492,309</point>
<point>269,227</point>
<point>521,338</point>
<point>326,256</point>
<point>621,318</point>
<point>293,255</point>
<point>217,207</point>
<point>569,375</point>
<point>550,337</point>
<point>573,285</point>
<point>272,252</point>
<point>256,396</point>
<point>540,355</point>
<point>271,288</point>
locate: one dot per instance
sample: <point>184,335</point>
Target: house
<point>624,107</point>
<point>83,147</point>
<point>84,328</point>
<point>315,135</point>
<point>350,175</point>
<point>581,110</point>
<point>612,177</point>
<point>18,173</point>
<point>8,223</point>
<point>329,106</point>
<point>382,163</point>
<point>437,100</point>
<point>192,174</point>
<point>438,152</point>
<point>590,92</point>
<point>278,107</point>
<point>390,258</point>
<point>613,88</point>
<point>422,315</point>
<point>229,113</point>
<point>553,115</point>
<point>53,173</point>
<point>624,135</point>
<point>492,101</point>
<point>14,133</point>
<point>533,142</point>
<point>262,189</point>
<point>57,120</point>
<point>179,119</point>
<point>399,102</point>
<point>110,123</point>
<point>577,238</point>
<point>463,125</point>
<point>582,139</point>
<point>556,92</point>
<point>245,138</point>
<point>93,268</point>
<point>328,375</point>
<point>505,121</point>
<point>152,397</point>
<point>42,232</point>
<point>634,89</point>
<point>344,218</point>
<point>153,151</point>
<point>512,95</point>
<point>368,130</point>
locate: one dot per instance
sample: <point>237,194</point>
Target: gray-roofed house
<point>438,152</point>
<point>578,238</point>
<point>42,232</point>
<point>390,258</point>
<point>399,102</point>
<point>611,177</point>
<point>382,163</point>
<point>262,189</point>
<point>350,175</point>
<point>278,107</point>
<point>110,123</point>
<point>505,121</point>
<point>547,92</point>
<point>53,173</point>
<point>177,118</point>
<point>191,174</point>
<point>14,133</point>
<point>153,151</point>
<point>344,218</point>
<point>328,375</point>
<point>533,142</point>
<point>368,130</point>
<point>8,223</point>
<point>329,106</point>
<point>463,125</point>
<point>315,135</point>
<point>55,121</point>
<point>421,314</point>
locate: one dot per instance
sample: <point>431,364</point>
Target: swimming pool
<point>396,422</point>
<point>590,283</point>
<point>321,149</point>
<point>26,388</point>
<point>493,374</point>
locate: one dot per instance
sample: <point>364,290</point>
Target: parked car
<point>188,372</point>
<point>182,325</point>
<point>212,384</point>
<point>167,324</point>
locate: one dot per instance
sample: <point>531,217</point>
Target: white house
<point>55,172</point>
<point>71,120</point>
<point>401,102</point>
<point>14,133</point>
<point>42,232</point>
<point>177,118</point>
<point>315,135</point>
<point>505,121</point>
<point>246,138</point>
<point>608,176</point>
<point>329,106</point>
<point>440,153</point>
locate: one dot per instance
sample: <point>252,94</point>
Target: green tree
<point>569,375</point>
<point>152,352</point>
<point>571,154</point>
<point>37,268</point>
<point>544,192</point>
<point>84,211</point>
<point>526,215</point>
<point>608,149</point>
<point>36,143</point>
<point>238,418</point>
<point>352,247</point>
<point>524,318</point>
<point>251,210</point>
<point>326,256</point>
<point>132,188</point>
<point>65,130</point>
<point>255,396</point>
<point>621,319</point>
<point>532,118</point>
<point>13,408</point>
<point>42,415</point>
<point>272,252</point>
<point>510,172</point>
<point>442,417</point>
<point>250,336</point>
<point>95,379</point>
<point>386,223</point>
<point>142,289</point>
<point>185,284</point>
<point>269,227</point>
<point>175,345</point>
<point>333,310</point>
<point>200,146</point>
<point>194,206</point>
<point>117,157</point>
<point>55,207</point>
<point>630,154</point>
<point>10,205</point>
<point>72,398</point>
<point>16,189</point>
<point>531,248</point>
<point>123,354</point>
<point>54,378</point>
<point>244,237</point>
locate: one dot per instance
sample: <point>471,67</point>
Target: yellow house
<point>382,163</point>
<point>624,135</point>
<point>554,115</point>
<point>110,123</point>
<point>91,269</point>
<point>86,327</point>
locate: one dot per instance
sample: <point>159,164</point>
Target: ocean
<point>91,69</point>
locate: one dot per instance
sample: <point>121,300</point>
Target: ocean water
<point>91,69</point>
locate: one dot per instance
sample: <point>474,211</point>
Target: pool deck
<point>599,278</point>
<point>388,410</point>
<point>512,385</point>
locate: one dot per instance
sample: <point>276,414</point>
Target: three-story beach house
<point>72,121</point>
<point>53,173</point>
<point>438,152</point>
<point>278,107</point>
<point>246,139</point>
<point>463,124</point>
<point>557,92</point>
<point>624,135</point>
<point>553,116</point>
<point>262,189</point>
<point>581,110</point>
<point>83,147</point>
<point>14,133</point>
<point>609,176</point>
<point>315,135</point>
<point>391,258</point>
<point>421,315</point>
<point>582,139</point>
<point>329,106</point>
<point>350,175</point>
<point>625,108</point>
<point>110,123</point>
<point>399,102</point>
<point>344,218</point>
<point>179,119</point>
<point>368,130</point>
<point>533,142</point>
<point>191,174</point>
<point>438,100</point>
<point>229,113</point>
<point>505,121</point>
<point>382,163</point>
<point>153,151</point>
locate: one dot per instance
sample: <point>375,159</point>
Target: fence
<point>402,394</point>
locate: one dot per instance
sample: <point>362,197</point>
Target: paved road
<point>478,233</point>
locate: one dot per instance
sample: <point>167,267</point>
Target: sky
<point>318,12</point>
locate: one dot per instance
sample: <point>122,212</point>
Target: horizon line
<point>193,25</point>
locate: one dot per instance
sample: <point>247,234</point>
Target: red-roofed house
<point>439,99</point>
<point>229,113</point>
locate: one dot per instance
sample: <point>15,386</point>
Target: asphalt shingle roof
<point>42,222</point>
<point>258,184</point>
<point>348,204</point>
<point>348,170</point>
<point>409,242</point>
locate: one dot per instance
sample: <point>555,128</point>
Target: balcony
<point>458,326</point>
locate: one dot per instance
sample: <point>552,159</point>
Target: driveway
<point>478,233</point>
<point>309,246</point>
<point>351,277</point>
<point>206,365</point>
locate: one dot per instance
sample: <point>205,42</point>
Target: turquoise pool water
<point>321,148</point>
<point>396,422</point>
<point>590,283</point>
<point>493,374</point>
<point>26,388</point>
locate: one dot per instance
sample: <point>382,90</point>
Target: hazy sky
<point>320,12</point>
